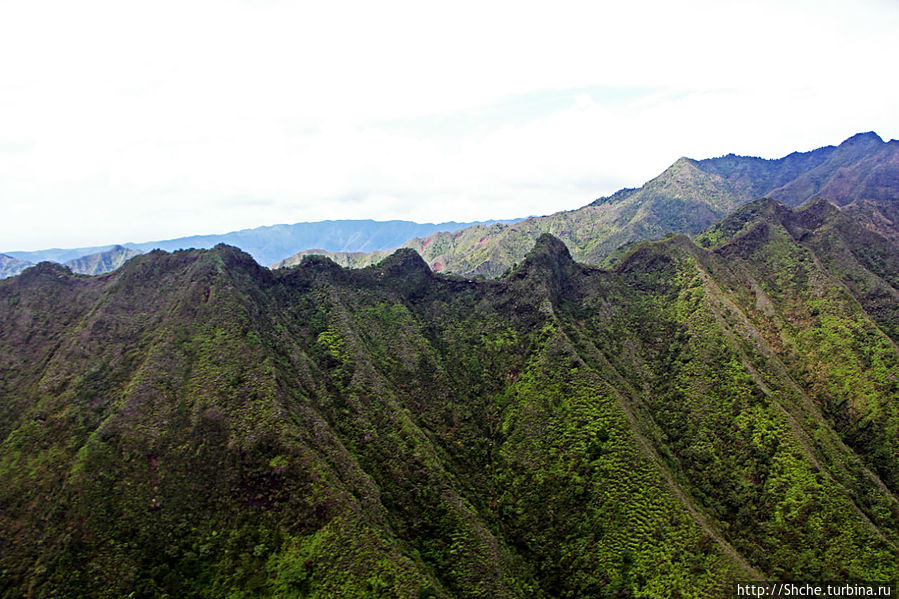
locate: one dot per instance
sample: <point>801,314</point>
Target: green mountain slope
<point>101,262</point>
<point>195,425</point>
<point>689,196</point>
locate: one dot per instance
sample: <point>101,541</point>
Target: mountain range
<point>267,245</point>
<point>689,196</point>
<point>686,198</point>
<point>693,413</point>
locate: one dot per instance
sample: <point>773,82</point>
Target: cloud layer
<point>124,123</point>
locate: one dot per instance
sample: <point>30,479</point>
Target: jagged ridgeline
<point>861,174</point>
<point>194,425</point>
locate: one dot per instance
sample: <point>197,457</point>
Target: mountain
<point>10,266</point>
<point>58,255</point>
<point>91,264</point>
<point>95,264</point>
<point>689,196</point>
<point>273,243</point>
<point>195,425</point>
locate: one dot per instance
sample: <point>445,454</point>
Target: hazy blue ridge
<point>270,244</point>
<point>11,266</point>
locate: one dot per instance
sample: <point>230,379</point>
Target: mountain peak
<point>406,269</point>
<point>681,165</point>
<point>46,269</point>
<point>404,260</point>
<point>552,247</point>
<point>548,258</point>
<point>868,137</point>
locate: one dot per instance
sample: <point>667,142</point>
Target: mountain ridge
<point>687,197</point>
<point>101,262</point>
<point>197,425</point>
<point>270,243</point>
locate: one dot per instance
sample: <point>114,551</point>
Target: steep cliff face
<point>194,424</point>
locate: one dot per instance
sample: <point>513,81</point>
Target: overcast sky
<point>125,121</point>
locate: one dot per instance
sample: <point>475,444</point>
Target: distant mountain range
<point>267,245</point>
<point>862,174</point>
<point>689,196</point>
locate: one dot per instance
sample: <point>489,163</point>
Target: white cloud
<point>129,122</point>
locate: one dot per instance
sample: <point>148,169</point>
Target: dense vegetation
<point>194,425</point>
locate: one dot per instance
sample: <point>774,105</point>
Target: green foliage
<point>196,426</point>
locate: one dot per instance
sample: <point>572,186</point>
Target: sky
<point>136,121</point>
